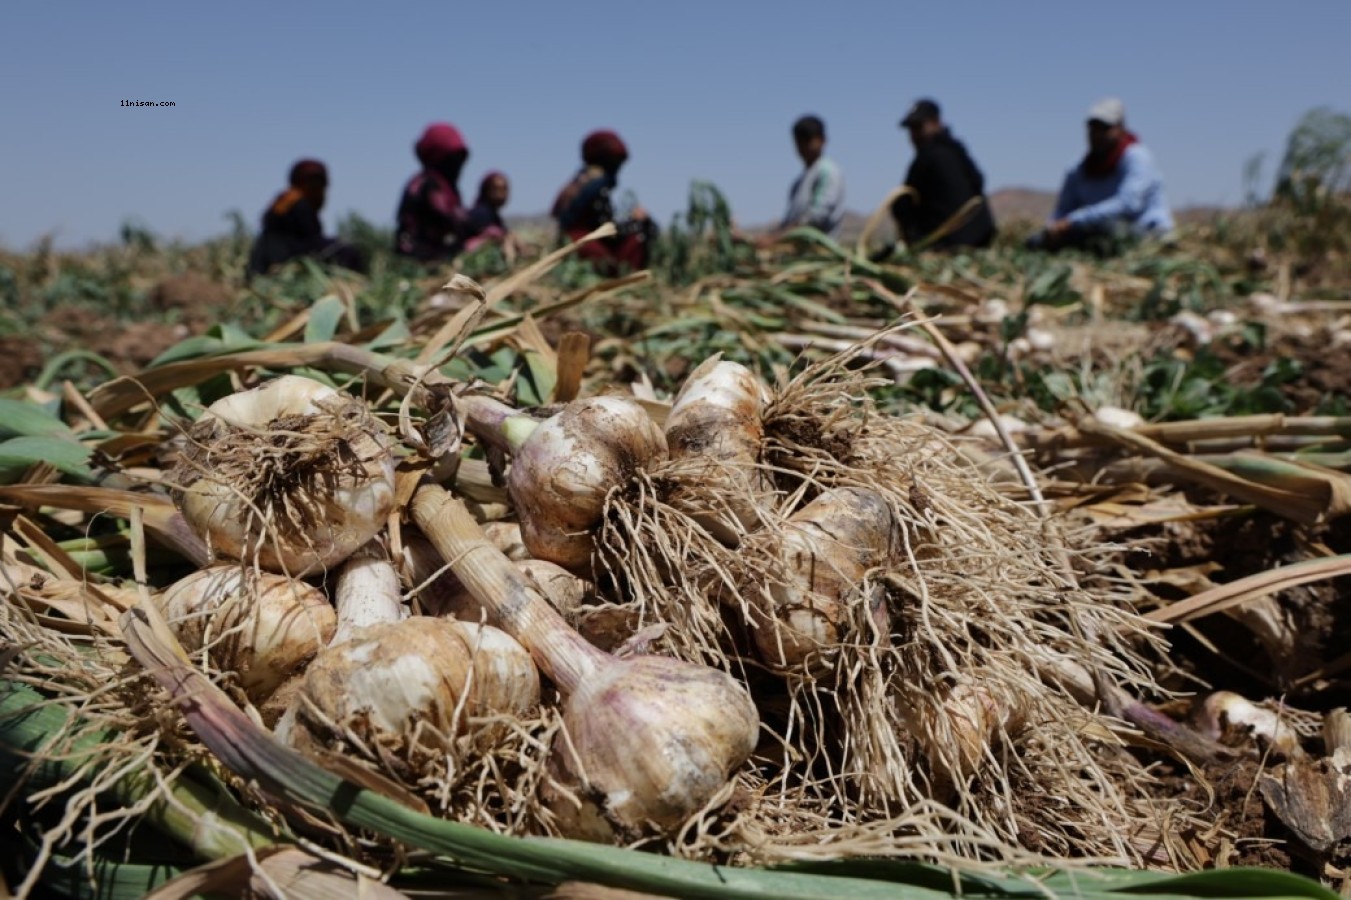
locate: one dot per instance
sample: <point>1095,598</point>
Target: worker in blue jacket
<point>1115,191</point>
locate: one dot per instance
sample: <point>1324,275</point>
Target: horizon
<point>706,91</point>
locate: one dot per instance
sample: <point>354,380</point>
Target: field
<point>1181,411</point>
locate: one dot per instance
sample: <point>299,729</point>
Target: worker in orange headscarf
<point>291,226</point>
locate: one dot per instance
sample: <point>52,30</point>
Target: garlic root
<point>293,474</point>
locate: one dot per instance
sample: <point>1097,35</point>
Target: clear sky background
<point>698,89</point>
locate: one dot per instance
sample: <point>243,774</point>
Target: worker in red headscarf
<point>585,204</point>
<point>432,221</point>
<point>291,226</point>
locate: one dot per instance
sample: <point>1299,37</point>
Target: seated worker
<point>1116,190</point>
<point>485,224</point>
<point>584,204</point>
<point>944,180</point>
<point>816,197</point>
<point>432,222</point>
<point>291,226</point>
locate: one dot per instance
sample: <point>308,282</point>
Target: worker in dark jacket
<point>584,204</point>
<point>943,179</point>
<point>291,225</point>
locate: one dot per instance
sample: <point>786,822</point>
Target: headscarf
<point>604,148</point>
<point>442,148</point>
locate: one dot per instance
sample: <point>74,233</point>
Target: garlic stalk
<point>293,474</point>
<point>367,593</point>
<point>261,626</point>
<point>647,740</point>
<point>441,593</point>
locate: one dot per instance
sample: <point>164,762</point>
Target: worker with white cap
<point>1116,190</point>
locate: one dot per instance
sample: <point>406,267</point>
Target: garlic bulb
<point>1224,712</point>
<point>562,472</point>
<point>714,434</point>
<point>962,725</point>
<point>409,687</point>
<point>1117,417</point>
<point>293,474</point>
<point>818,564</point>
<point>649,740</point>
<point>261,626</point>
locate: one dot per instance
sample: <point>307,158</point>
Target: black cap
<point>922,111</point>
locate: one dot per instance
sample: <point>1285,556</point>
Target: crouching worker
<point>946,206</point>
<point>1115,192</point>
<point>586,203</point>
<point>291,226</point>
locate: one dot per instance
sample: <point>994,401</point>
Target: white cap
<point>1109,110</point>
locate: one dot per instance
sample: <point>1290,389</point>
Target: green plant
<point>1316,166</point>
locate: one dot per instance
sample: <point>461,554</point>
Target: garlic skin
<point>649,740</point>
<point>561,474</point>
<point>714,434</point>
<point>259,625</point>
<point>293,474</point>
<point>410,687</point>
<point>820,559</point>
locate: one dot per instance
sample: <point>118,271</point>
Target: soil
<point>1226,792</point>
<point>1245,545</point>
<point>127,345</point>
<point>20,361</point>
<point>1218,652</point>
<point>1324,360</point>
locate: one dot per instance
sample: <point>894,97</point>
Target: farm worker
<point>291,226</point>
<point>584,204</point>
<point>485,223</point>
<point>431,220</point>
<point>945,182</point>
<point>816,197</point>
<point>1116,190</point>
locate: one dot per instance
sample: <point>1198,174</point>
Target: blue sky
<point>698,89</point>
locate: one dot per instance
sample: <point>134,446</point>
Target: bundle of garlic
<point>785,568</point>
<point>897,596</point>
<point>647,741</point>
